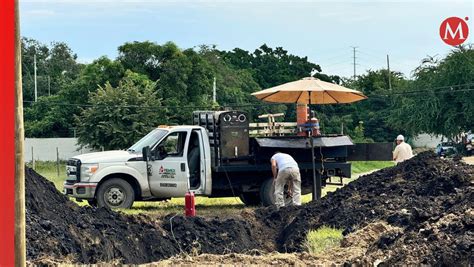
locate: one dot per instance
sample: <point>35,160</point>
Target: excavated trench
<point>428,200</point>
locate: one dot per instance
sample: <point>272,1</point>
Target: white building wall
<point>45,149</point>
<point>426,140</point>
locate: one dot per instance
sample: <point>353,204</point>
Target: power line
<point>451,89</point>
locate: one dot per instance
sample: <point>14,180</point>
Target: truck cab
<point>166,163</point>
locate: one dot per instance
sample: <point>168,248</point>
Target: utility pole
<point>214,91</point>
<point>20,237</point>
<point>389,74</point>
<point>354,59</point>
<point>36,83</point>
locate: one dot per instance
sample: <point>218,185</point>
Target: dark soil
<point>430,199</point>
<point>58,228</point>
<point>416,195</point>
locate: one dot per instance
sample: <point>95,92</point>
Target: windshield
<point>149,140</point>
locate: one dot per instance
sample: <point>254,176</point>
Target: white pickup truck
<point>217,159</point>
<point>118,178</point>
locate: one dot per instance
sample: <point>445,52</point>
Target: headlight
<point>88,169</point>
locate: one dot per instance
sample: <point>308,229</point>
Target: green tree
<point>119,116</point>
<point>56,67</point>
<point>441,98</point>
<point>46,118</point>
<point>235,85</point>
<point>185,84</point>
<point>271,67</point>
<point>147,57</point>
<point>53,116</point>
<point>377,109</point>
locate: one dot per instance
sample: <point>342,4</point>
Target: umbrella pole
<point>316,178</point>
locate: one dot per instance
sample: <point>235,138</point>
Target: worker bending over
<point>402,151</point>
<point>285,170</point>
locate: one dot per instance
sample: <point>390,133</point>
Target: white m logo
<point>453,34</point>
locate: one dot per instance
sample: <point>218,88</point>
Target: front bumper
<point>80,190</point>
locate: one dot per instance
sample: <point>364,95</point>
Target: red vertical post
<point>7,135</point>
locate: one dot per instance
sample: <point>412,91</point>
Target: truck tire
<point>250,198</point>
<point>115,193</point>
<point>267,195</point>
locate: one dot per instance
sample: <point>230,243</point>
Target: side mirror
<point>146,153</point>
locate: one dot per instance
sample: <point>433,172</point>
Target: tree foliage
<point>53,116</point>
<point>56,67</point>
<point>116,101</point>
<point>119,116</point>
<point>441,98</point>
<point>147,57</point>
<point>377,109</point>
<point>271,67</point>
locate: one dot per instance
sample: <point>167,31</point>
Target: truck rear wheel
<point>115,193</point>
<point>267,193</point>
<point>250,198</point>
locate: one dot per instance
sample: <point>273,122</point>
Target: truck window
<point>149,140</point>
<point>173,144</point>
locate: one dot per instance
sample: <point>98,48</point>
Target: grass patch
<point>322,239</point>
<point>49,169</point>
<point>209,207</point>
<point>359,167</point>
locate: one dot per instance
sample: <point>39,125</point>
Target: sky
<point>324,31</point>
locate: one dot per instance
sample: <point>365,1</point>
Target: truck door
<point>198,169</point>
<point>169,170</point>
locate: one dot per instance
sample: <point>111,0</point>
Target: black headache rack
<point>228,135</point>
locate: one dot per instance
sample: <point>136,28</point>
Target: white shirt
<point>284,161</point>
<point>402,152</point>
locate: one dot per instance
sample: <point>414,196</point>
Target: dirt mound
<point>58,228</point>
<point>415,195</point>
<point>418,212</point>
<point>199,235</point>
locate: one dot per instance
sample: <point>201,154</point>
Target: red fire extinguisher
<point>190,210</point>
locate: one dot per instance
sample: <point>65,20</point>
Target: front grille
<point>73,170</point>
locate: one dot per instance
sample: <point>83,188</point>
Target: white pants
<point>284,176</point>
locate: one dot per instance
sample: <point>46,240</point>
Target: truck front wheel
<point>115,193</point>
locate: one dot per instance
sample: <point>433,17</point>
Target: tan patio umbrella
<point>310,91</point>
